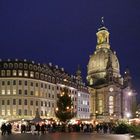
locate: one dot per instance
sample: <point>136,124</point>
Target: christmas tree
<point>64,110</point>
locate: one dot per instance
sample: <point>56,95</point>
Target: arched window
<point>111,105</point>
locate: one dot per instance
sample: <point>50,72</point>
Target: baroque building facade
<point>112,97</point>
<point>27,87</point>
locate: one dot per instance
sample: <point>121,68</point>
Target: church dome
<point>103,55</point>
<point>98,63</point>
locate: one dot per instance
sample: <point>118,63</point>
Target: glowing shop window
<point>14,91</point>
<point>3,112</point>
<point>8,92</point>
<point>3,92</point>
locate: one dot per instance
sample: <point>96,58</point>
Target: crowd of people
<point>42,128</point>
<point>6,129</point>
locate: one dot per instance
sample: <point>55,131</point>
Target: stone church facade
<point>112,95</point>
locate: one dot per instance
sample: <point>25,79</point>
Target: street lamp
<point>129,93</point>
<point>128,116</point>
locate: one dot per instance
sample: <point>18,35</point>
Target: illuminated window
<point>25,73</point>
<point>8,92</point>
<point>3,112</point>
<point>8,112</point>
<point>20,72</point>
<point>79,94</point>
<point>100,106</point>
<point>31,74</point>
<point>14,73</point>
<point>111,105</point>
<point>36,93</point>
<point>8,73</point>
<point>3,92</point>
<point>3,73</point>
<point>14,91</point>
<point>14,112</point>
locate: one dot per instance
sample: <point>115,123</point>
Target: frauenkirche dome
<point>102,58</point>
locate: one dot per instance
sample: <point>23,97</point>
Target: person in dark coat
<point>3,129</point>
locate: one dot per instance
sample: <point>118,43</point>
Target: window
<point>31,74</point>
<point>25,102</point>
<point>111,105</point>
<point>37,75</point>
<point>3,92</point>
<point>3,73</point>
<point>14,91</point>
<point>19,102</point>
<point>14,101</point>
<point>14,112</point>
<point>20,82</point>
<point>19,112</point>
<point>8,102</point>
<point>25,112</point>
<point>36,93</point>
<point>14,72</point>
<point>14,82</point>
<point>8,91</point>
<point>49,95</point>
<point>25,83</point>
<point>20,92</point>
<point>3,112</point>
<point>36,103</point>
<point>20,72</point>
<point>36,84</point>
<point>31,102</point>
<point>32,93</point>
<point>25,73</point>
<point>25,92</point>
<point>52,104</point>
<point>3,83</point>
<point>41,113</point>
<point>41,103</point>
<point>41,85</point>
<point>52,96</point>
<point>8,73</point>
<point>8,82</point>
<point>49,104</point>
<point>31,83</point>
<point>3,102</point>
<point>8,112</point>
<point>45,85</point>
